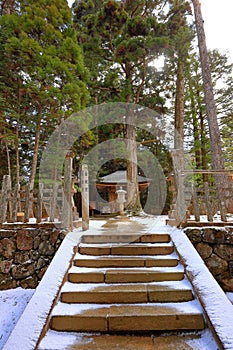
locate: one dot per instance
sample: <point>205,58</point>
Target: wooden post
<point>208,204</point>
<point>15,202</point>
<point>222,206</point>
<point>67,219</point>
<point>195,204</point>
<point>39,203</point>
<point>27,203</point>
<point>178,165</point>
<point>6,187</point>
<point>85,197</point>
<point>53,202</point>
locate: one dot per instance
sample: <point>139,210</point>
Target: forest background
<point>56,60</point>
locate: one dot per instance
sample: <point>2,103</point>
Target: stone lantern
<point>121,199</point>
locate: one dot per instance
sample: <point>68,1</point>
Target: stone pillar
<point>121,199</point>
<point>85,197</point>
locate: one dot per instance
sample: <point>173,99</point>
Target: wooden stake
<point>85,197</point>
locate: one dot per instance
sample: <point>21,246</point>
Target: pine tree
<point>215,138</point>
<point>46,72</point>
<point>120,39</point>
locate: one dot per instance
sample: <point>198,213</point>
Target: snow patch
<point>12,304</point>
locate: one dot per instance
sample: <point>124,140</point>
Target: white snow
<point>212,297</point>
<point>12,302</point>
<point>230,296</point>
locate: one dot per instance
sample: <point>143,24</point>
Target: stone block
<point>194,235</point>
<point>231,269</point>
<point>225,251</point>
<point>21,257</point>
<point>23,271</point>
<point>37,241</point>
<point>88,320</point>
<point>134,318</point>
<point>46,248</point>
<point>8,248</point>
<point>5,266</point>
<point>142,249</point>
<point>213,235</point>
<point>24,240</point>
<point>110,262</point>
<point>54,237</point>
<point>108,295</point>
<point>216,265</point>
<point>204,249</point>
<point>29,282</point>
<point>88,277</point>
<point>7,282</point>
<point>155,238</point>
<point>130,276</point>
<point>93,250</point>
<point>41,273</point>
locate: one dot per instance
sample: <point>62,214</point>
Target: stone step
<point>127,317</point>
<point>126,249</point>
<point>125,261</point>
<point>126,293</point>
<point>127,238</point>
<point>127,275</point>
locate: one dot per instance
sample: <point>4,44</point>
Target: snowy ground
<point>13,302</point>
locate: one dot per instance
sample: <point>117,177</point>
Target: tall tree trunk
<point>179,107</point>
<point>133,197</point>
<point>178,157</point>
<point>35,154</point>
<point>17,153</point>
<point>8,159</point>
<point>203,139</point>
<point>215,139</point>
<point>196,133</point>
<point>19,84</point>
<point>203,147</point>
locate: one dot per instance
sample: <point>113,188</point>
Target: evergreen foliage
<point>42,75</point>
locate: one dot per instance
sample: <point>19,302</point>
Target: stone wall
<point>215,246</point>
<point>25,254</point>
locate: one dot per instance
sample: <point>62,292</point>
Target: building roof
<point>120,177</point>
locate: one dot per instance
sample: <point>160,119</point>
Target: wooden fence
<point>202,202</point>
<point>53,203</point>
<point>21,204</point>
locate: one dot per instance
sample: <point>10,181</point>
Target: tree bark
<point>215,139</point>
<point>8,158</point>
<point>133,196</point>
<point>196,133</point>
<point>178,155</point>
<point>35,154</point>
<point>17,152</point>
<point>179,107</point>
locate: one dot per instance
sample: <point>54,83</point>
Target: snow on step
<point>127,317</point>
<point>125,275</point>
<point>126,249</point>
<point>126,238</point>
<point>126,293</point>
<point>125,261</point>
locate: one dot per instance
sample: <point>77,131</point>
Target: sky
<point>218,24</point>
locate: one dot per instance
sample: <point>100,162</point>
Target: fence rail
<point>21,204</point>
<point>201,201</point>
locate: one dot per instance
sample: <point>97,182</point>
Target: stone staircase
<point>126,283</point>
